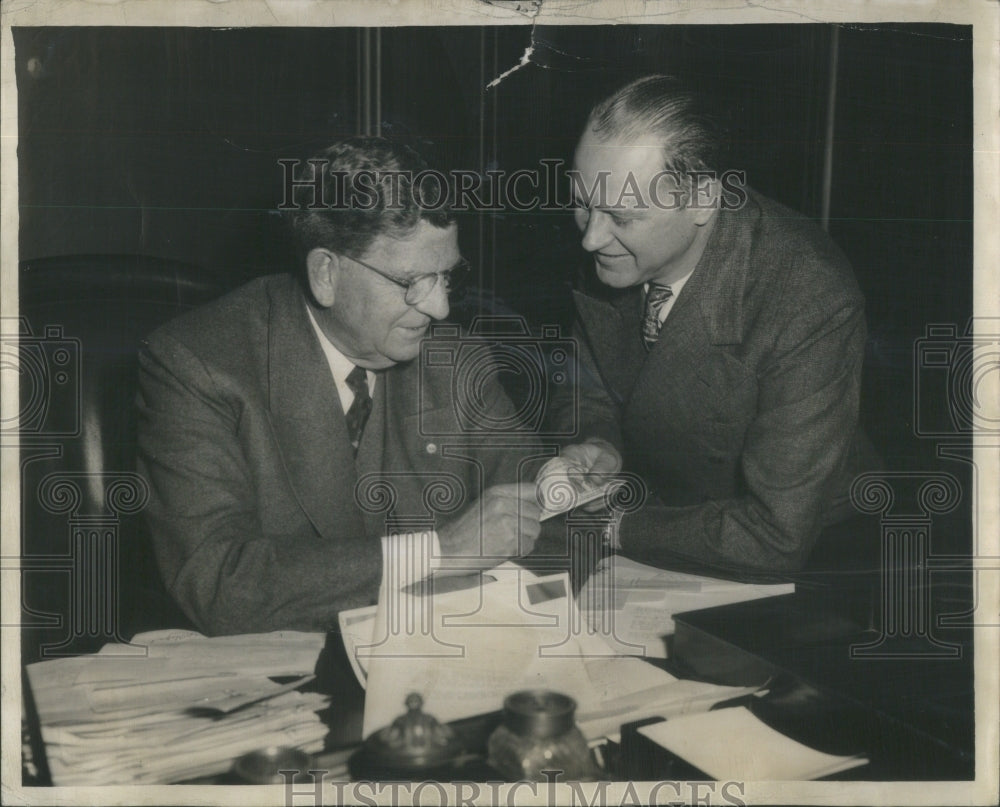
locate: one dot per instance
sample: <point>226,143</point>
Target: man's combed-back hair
<point>691,131</point>
<point>368,190</point>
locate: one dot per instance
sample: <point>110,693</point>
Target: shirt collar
<point>340,365</point>
<point>675,287</point>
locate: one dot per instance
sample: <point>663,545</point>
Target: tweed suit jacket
<point>255,512</point>
<point>743,418</point>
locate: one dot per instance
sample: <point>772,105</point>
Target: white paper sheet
<point>633,604</point>
<point>734,744</point>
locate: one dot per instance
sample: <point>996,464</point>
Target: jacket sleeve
<point>794,459</point>
<point>227,574</point>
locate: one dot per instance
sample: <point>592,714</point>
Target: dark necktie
<point>361,407</point>
<point>656,297</point>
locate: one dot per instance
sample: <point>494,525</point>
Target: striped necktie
<point>361,407</point>
<point>656,297</point>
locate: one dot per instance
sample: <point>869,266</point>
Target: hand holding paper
<point>502,524</point>
<point>595,456</point>
<point>578,477</point>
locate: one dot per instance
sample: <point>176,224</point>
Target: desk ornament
<point>414,746</point>
<point>265,766</point>
<point>538,740</point>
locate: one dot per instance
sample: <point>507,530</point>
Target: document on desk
<point>734,744</point>
<point>465,650</point>
<point>636,603</point>
<point>173,705</point>
<point>357,626</point>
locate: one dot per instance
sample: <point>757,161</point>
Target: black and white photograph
<point>500,402</point>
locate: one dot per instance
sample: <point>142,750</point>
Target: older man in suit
<point>722,344</point>
<point>267,417</point>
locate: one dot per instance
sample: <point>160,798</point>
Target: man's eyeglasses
<point>419,288</point>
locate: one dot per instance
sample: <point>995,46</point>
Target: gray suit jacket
<point>743,419</point>
<point>242,438</point>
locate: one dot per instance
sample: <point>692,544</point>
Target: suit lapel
<point>683,337</point>
<point>371,447</point>
<point>613,335</point>
<point>416,429</point>
<point>306,414</point>
<point>371,450</point>
<point>709,311</point>
<point>718,285</point>
<point>708,314</point>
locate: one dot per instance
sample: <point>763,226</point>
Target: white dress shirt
<point>340,366</point>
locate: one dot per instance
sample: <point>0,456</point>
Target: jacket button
<point>432,448</point>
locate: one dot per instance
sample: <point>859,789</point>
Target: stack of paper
<point>175,705</point>
<point>734,744</point>
<point>633,604</point>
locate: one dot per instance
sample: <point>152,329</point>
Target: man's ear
<point>323,270</point>
<point>706,192</point>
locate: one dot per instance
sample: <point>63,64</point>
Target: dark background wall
<point>165,142</point>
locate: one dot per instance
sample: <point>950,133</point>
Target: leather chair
<point>87,570</point>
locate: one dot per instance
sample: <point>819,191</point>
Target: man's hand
<point>596,457</point>
<point>502,524</point>
<point>583,467</point>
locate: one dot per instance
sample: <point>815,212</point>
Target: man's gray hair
<point>691,131</point>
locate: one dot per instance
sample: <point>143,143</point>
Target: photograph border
<point>982,15</point>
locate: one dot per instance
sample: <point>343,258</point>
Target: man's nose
<point>597,233</point>
<point>435,305</point>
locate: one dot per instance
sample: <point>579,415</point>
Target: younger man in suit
<point>280,426</point>
<point>721,349</point>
